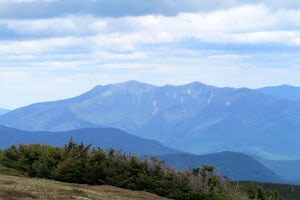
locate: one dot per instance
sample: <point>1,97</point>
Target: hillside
<point>286,169</point>
<point>194,117</point>
<point>282,91</point>
<point>110,167</point>
<point>99,137</point>
<point>77,163</point>
<point>236,166</point>
<point>106,138</point>
<point>15,187</point>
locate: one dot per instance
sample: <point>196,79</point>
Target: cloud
<point>50,44</point>
<point>89,41</point>
<point>30,9</point>
<point>245,24</point>
<point>53,27</point>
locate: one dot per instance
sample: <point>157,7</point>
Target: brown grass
<point>8,182</point>
<point>14,187</point>
<point>11,194</point>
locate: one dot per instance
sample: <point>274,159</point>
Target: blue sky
<point>51,49</point>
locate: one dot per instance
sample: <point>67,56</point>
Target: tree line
<point>79,163</point>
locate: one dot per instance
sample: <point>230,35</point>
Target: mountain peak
<point>132,84</point>
<point>196,83</point>
<point>127,84</point>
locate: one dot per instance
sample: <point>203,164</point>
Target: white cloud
<point>246,24</point>
<point>64,26</point>
<point>77,37</point>
<point>252,44</point>
<point>25,1</point>
<point>121,8</point>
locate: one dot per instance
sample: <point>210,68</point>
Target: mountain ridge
<point>282,91</point>
<point>106,138</point>
<point>98,137</point>
<point>284,168</point>
<point>194,117</point>
<point>237,166</point>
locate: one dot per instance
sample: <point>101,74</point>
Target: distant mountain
<point>282,91</point>
<point>99,137</point>
<point>3,111</point>
<point>194,117</point>
<point>296,182</point>
<point>236,166</point>
<point>288,170</point>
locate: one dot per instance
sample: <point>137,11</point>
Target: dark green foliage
<point>36,160</point>
<point>270,191</point>
<point>78,163</point>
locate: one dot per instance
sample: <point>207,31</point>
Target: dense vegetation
<point>283,191</point>
<point>78,163</point>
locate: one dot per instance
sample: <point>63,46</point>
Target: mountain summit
<point>194,117</point>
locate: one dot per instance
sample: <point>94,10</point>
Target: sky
<point>56,49</point>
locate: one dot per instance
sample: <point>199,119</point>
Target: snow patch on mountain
<point>154,107</point>
<point>182,103</point>
<point>210,98</point>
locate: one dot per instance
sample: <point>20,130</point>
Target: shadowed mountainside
<point>236,166</point>
<point>98,137</point>
<point>286,169</point>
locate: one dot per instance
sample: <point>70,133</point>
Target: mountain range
<point>195,117</point>
<point>286,169</point>
<point>98,137</point>
<point>236,166</point>
<point>282,91</point>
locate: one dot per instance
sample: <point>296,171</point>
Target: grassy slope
<point>14,186</point>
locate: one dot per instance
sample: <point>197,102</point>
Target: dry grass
<point>13,194</point>
<point>8,182</point>
<point>14,187</point>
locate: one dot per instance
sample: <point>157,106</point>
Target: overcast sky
<point>52,49</point>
